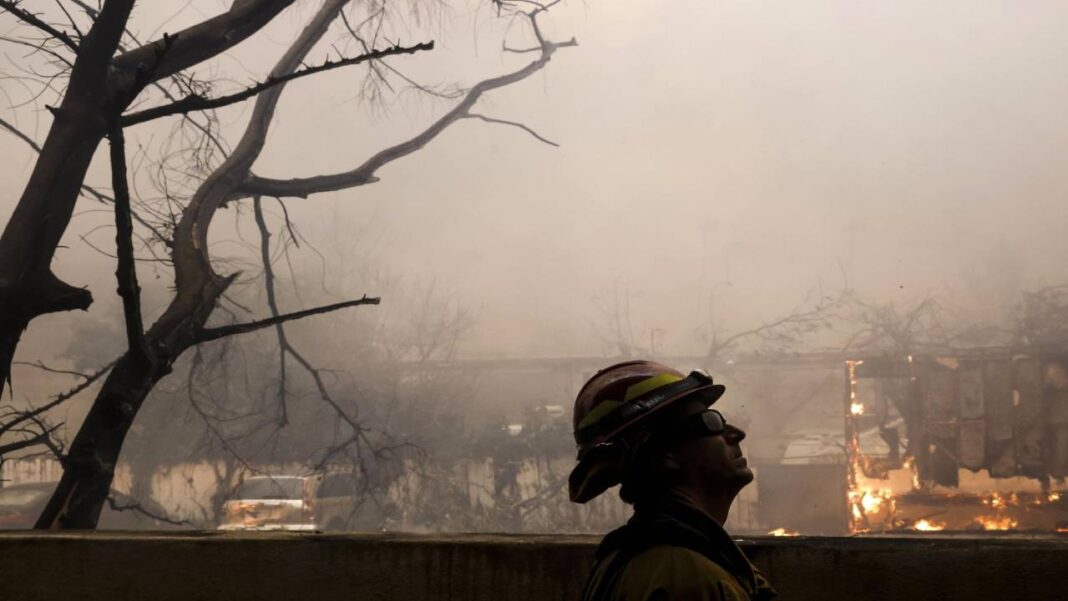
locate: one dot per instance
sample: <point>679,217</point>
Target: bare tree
<point>1042,319</point>
<point>101,86</point>
<point>816,312</point>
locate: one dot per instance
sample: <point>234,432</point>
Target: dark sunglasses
<point>707,423</point>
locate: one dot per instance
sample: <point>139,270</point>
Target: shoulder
<point>667,572</point>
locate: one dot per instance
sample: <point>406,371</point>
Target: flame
<point>783,532</point>
<point>879,496</point>
<point>926,525</point>
<point>997,523</point>
<point>873,500</point>
<point>995,500</point>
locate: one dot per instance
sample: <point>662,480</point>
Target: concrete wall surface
<point>367,567</point>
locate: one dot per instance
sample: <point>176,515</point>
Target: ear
<point>669,462</point>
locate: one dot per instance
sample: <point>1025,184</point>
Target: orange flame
<point>926,525</point>
<point>783,532</point>
<point>997,523</point>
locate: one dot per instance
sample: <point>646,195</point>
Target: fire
<point>783,532</point>
<point>873,500</point>
<point>997,523</point>
<point>926,525</point>
<point>883,496</point>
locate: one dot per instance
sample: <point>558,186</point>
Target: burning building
<point>971,442</point>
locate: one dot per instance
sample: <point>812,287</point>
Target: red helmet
<point>611,404</point>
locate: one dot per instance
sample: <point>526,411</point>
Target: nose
<point>734,434</point>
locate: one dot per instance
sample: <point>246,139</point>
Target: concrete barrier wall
<point>263,567</point>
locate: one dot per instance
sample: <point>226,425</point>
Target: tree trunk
<point>27,286</point>
<point>89,467</point>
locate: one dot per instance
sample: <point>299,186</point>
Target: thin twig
<point>513,124</point>
<point>32,19</point>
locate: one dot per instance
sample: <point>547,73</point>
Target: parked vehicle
<point>298,503</point>
<point>21,504</point>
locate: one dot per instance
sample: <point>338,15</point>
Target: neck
<point>716,506</point>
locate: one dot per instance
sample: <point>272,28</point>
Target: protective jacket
<point>671,551</point>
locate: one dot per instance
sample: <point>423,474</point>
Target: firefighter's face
<point>715,461</point>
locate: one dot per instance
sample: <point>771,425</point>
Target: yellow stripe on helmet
<point>648,385</point>
<point>601,410</point>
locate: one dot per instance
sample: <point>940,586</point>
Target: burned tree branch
<point>802,319</point>
<point>18,134</point>
<point>512,124</point>
<point>70,19</point>
<point>191,261</point>
<point>126,271</point>
<point>365,173</point>
<point>43,437</point>
<point>272,302</point>
<point>199,42</point>
<point>195,102</point>
<point>359,436</point>
<point>33,20</point>
<point>59,400</point>
<point>86,189</point>
<point>209,334</point>
<point>139,508</point>
<point>41,366</point>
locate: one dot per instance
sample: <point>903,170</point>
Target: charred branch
<point>209,334</point>
<point>126,271</point>
<point>198,43</point>
<point>805,318</point>
<point>55,370</point>
<point>512,124</point>
<point>272,303</point>
<point>136,507</point>
<point>23,416</point>
<point>87,190</point>
<point>199,103</point>
<point>365,173</point>
<point>33,20</point>
<point>191,261</point>
<point>41,437</point>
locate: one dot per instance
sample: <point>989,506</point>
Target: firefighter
<point>649,428</point>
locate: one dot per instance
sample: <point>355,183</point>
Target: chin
<point>744,477</point>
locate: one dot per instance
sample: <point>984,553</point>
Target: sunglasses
<point>707,423</point>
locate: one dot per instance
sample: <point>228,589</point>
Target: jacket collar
<point>673,521</point>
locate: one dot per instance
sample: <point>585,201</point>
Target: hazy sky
<point>746,150</point>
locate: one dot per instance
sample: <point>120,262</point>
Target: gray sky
<point>748,151</point>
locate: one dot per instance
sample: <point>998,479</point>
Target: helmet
<point>612,404</point>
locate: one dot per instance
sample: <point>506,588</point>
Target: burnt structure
<point>980,438</point>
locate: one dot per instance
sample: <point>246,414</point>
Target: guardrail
<point>266,566</point>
